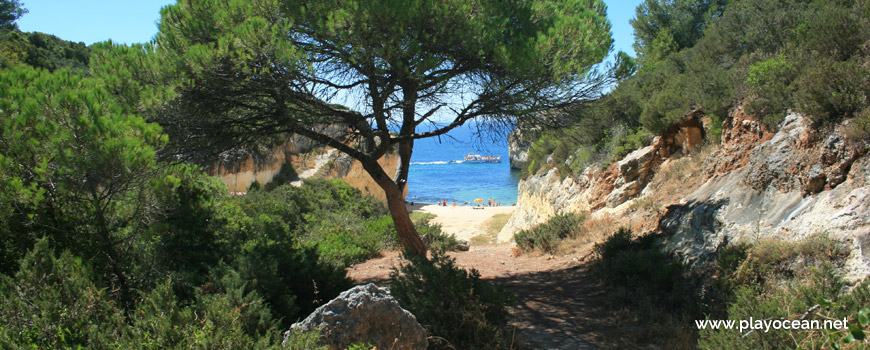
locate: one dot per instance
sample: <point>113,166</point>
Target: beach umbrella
<point>479,200</point>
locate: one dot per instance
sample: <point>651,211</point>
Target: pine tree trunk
<point>408,236</point>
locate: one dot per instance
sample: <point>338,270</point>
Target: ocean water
<point>432,179</point>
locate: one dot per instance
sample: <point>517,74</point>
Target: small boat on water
<point>476,159</point>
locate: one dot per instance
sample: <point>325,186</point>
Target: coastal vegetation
<point>113,236</point>
<point>514,60</point>
<point>712,56</point>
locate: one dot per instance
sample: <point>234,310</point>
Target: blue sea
<point>432,179</point>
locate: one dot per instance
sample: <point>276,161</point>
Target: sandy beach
<point>462,221</point>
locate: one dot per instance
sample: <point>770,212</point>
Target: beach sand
<point>462,221</point>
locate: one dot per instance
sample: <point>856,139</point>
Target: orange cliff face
<point>308,160</point>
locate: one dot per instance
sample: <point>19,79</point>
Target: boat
<point>477,159</point>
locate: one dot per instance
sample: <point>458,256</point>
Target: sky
<point>135,21</point>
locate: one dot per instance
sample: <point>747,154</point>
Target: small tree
<point>249,70</point>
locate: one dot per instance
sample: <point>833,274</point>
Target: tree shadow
<point>567,309</point>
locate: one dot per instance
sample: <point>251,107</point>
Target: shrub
<point>52,303</point>
<point>452,302</point>
<point>342,239</point>
<point>642,274</point>
<point>435,238</point>
<point>547,236</point>
<point>793,300</point>
<point>829,91</point>
<point>771,81</point>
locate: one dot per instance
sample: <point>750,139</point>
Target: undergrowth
<point>454,303</point>
<point>548,236</point>
<point>769,279</point>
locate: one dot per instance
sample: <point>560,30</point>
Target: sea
<point>433,178</point>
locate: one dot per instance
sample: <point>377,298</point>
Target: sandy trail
<point>463,221</point>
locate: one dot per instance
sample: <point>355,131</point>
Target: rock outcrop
<point>758,184</point>
<point>365,314</point>
<point>794,184</point>
<point>238,170</point>
<point>518,149</point>
<point>544,195</point>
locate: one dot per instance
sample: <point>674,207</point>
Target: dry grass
<point>421,217</point>
<point>677,177</point>
<point>592,230</point>
<point>492,226</point>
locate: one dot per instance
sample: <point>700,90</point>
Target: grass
<point>492,226</point>
<point>419,217</point>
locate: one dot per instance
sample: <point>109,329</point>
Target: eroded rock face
<point>365,314</point>
<point>238,170</point>
<point>545,195</point>
<point>518,150</point>
<point>794,184</point>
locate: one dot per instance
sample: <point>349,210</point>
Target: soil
<point>560,303</point>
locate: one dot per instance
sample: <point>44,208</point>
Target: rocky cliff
<point>310,160</point>
<point>753,185</point>
<point>518,149</point>
<point>599,190</point>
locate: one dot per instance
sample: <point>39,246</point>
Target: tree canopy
<point>406,69</point>
<point>10,11</point>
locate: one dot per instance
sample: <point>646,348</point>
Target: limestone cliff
<point>239,169</point>
<point>599,190</point>
<point>310,160</point>
<point>755,184</point>
<point>518,149</point>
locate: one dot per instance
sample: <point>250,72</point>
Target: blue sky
<point>134,21</point>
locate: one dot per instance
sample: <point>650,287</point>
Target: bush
<point>453,303</point>
<point>52,303</point>
<point>547,236</point>
<point>643,275</point>
<point>829,91</point>
<point>435,238</point>
<point>793,300</point>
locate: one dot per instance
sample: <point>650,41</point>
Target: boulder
<point>365,314</point>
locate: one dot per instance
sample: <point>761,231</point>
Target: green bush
<point>547,236</point>
<point>829,91</point>
<point>453,303</point>
<point>52,303</point>
<point>436,239</point>
<point>793,300</point>
<point>642,275</point>
<point>771,82</point>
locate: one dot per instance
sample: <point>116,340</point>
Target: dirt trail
<point>560,304</point>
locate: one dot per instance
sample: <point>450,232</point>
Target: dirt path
<point>560,304</point>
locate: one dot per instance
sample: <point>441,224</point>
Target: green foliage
<point>299,340</point>
<point>830,91</point>
<point>648,280</point>
<point>436,239</point>
<point>682,20</point>
<point>284,176</point>
<point>75,169</point>
<point>770,80</point>
<point>547,236</point>
<point>791,300</point>
<point>453,303</point>
<point>10,11</point>
<point>51,303</point>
